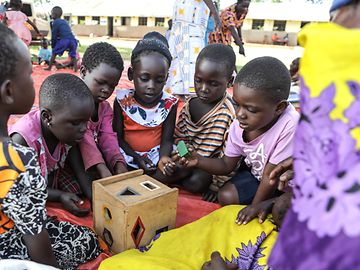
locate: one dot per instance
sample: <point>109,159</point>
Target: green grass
<point>125,52</point>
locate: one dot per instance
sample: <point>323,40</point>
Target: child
<point>101,71</point>
<point>53,130</point>
<point>44,53</point>
<point>25,231</point>
<point>62,38</point>
<point>16,20</point>
<point>144,118</point>
<point>262,134</point>
<point>204,121</point>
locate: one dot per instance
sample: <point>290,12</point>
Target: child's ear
<point>281,107</point>
<point>46,116</point>
<point>130,73</point>
<point>82,72</point>
<point>6,93</point>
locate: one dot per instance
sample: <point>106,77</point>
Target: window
<point>279,26</point>
<point>81,20</point>
<point>303,24</point>
<point>159,22</point>
<point>257,24</point>
<point>26,8</point>
<point>95,20</point>
<point>125,20</point>
<point>142,20</point>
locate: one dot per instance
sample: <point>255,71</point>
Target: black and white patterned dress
<point>24,204</point>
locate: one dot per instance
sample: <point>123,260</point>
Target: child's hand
<point>190,161</point>
<point>282,174</point>
<point>210,196</point>
<point>260,210</point>
<point>120,168</point>
<point>103,170</point>
<point>73,203</point>
<point>217,263</point>
<point>167,166</point>
<point>146,164</point>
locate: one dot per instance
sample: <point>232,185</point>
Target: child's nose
<point>241,113</point>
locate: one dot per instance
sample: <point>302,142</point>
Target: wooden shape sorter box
<point>131,208</point>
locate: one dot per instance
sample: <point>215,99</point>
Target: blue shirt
<point>60,29</point>
<point>44,54</point>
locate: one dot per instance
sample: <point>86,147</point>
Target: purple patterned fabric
<point>322,230</point>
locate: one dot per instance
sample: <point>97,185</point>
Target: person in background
<point>232,19</point>
<point>16,20</point>
<point>168,31</point>
<point>44,53</point>
<point>186,40</point>
<point>62,39</point>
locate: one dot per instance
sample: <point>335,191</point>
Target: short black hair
<point>219,53</point>
<point>149,46</point>
<point>9,56</point>
<point>268,75</point>
<point>158,36</point>
<point>58,90</point>
<point>57,10</point>
<point>102,52</point>
<point>16,4</point>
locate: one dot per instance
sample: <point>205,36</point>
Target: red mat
<point>190,207</point>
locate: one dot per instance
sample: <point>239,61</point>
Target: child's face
<point>69,125</point>
<point>211,81</point>
<point>101,81</point>
<point>23,84</point>
<point>44,45</point>
<point>254,111</point>
<point>149,75</point>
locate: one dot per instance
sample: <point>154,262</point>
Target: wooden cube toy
<point>131,208</point>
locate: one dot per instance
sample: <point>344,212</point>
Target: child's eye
<point>251,109</point>
<point>99,82</point>
<point>197,80</point>
<point>215,84</point>
<point>144,78</point>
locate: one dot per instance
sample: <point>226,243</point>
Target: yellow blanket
<point>190,246</point>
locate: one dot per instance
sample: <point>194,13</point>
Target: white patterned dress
<point>187,38</point>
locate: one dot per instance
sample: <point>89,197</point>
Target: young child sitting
<point>204,121</point>
<point>26,233</point>
<point>144,118</point>
<point>262,133</point>
<point>101,71</point>
<point>66,105</point>
<point>44,53</point>
<point>62,38</point>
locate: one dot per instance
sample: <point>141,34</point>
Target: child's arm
<point>215,166</point>
<point>108,143</point>
<point>118,126</point>
<point>39,248</point>
<point>167,135</point>
<point>92,156</point>
<point>265,190</point>
<point>214,12</point>
<point>82,177</point>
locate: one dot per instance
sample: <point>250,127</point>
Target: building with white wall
<point>133,18</point>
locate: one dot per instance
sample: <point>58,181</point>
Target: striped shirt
<point>208,135</point>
